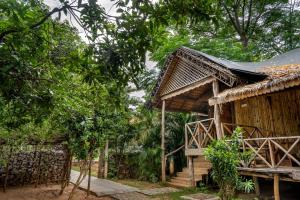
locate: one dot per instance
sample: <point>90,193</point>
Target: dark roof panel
<point>288,58</point>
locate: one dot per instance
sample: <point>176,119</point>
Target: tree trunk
<point>81,177</point>
<point>101,163</point>
<point>89,176</point>
<point>106,160</point>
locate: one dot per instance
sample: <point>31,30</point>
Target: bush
<point>148,164</point>
<point>225,158</point>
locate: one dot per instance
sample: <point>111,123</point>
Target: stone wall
<point>36,166</point>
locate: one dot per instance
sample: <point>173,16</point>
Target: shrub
<point>225,157</point>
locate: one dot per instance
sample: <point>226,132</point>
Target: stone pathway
<point>157,191</point>
<point>200,196</point>
<point>103,187</point>
<point>131,196</point>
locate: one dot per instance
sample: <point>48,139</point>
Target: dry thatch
<point>280,78</point>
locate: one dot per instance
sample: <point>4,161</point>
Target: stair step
<point>185,181</point>
<point>184,178</point>
<point>202,165</point>
<point>197,170</point>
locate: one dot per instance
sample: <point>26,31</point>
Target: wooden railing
<point>271,152</point>
<point>247,131</point>
<point>199,134</point>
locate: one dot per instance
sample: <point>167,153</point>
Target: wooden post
<point>217,110</point>
<point>256,185</point>
<point>191,171</point>
<point>163,161</point>
<point>271,154</point>
<point>106,160</point>
<point>276,187</point>
<point>171,166</point>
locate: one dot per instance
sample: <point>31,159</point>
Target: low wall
<point>35,166</point>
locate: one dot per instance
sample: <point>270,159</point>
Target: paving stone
<point>200,196</point>
<point>130,196</point>
<point>157,191</point>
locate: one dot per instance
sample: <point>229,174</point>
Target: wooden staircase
<point>201,168</point>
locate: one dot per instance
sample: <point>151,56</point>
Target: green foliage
<point>225,158</point>
<point>148,164</point>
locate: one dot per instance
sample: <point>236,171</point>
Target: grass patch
<point>77,168</point>
<point>182,192</point>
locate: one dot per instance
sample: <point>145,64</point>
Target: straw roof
<point>279,78</point>
<point>186,68</point>
<point>185,82</point>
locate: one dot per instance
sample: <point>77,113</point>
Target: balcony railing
<point>198,135</point>
<point>272,152</point>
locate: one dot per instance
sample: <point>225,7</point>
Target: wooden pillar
<point>191,171</point>
<point>256,185</point>
<point>106,160</point>
<point>171,166</point>
<point>276,187</point>
<point>163,161</point>
<point>217,110</point>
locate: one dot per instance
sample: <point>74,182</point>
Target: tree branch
<point>249,16</point>
<point>55,10</point>
<point>231,18</point>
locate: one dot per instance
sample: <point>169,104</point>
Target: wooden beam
<point>217,117</point>
<point>276,187</point>
<point>163,161</point>
<point>106,160</point>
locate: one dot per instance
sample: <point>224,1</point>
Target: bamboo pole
<point>217,110</point>
<point>163,162</point>
<point>106,160</point>
<point>276,187</point>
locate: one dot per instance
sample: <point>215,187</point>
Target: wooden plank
<point>194,152</point>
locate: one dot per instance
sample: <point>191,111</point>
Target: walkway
<point>103,187</point>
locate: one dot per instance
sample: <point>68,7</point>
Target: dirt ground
<point>44,193</point>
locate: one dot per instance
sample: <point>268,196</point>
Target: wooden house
<point>263,98</point>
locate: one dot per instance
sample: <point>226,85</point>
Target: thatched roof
<point>185,81</point>
<point>186,68</point>
<point>279,78</point>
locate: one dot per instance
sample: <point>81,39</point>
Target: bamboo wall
<point>277,112</point>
